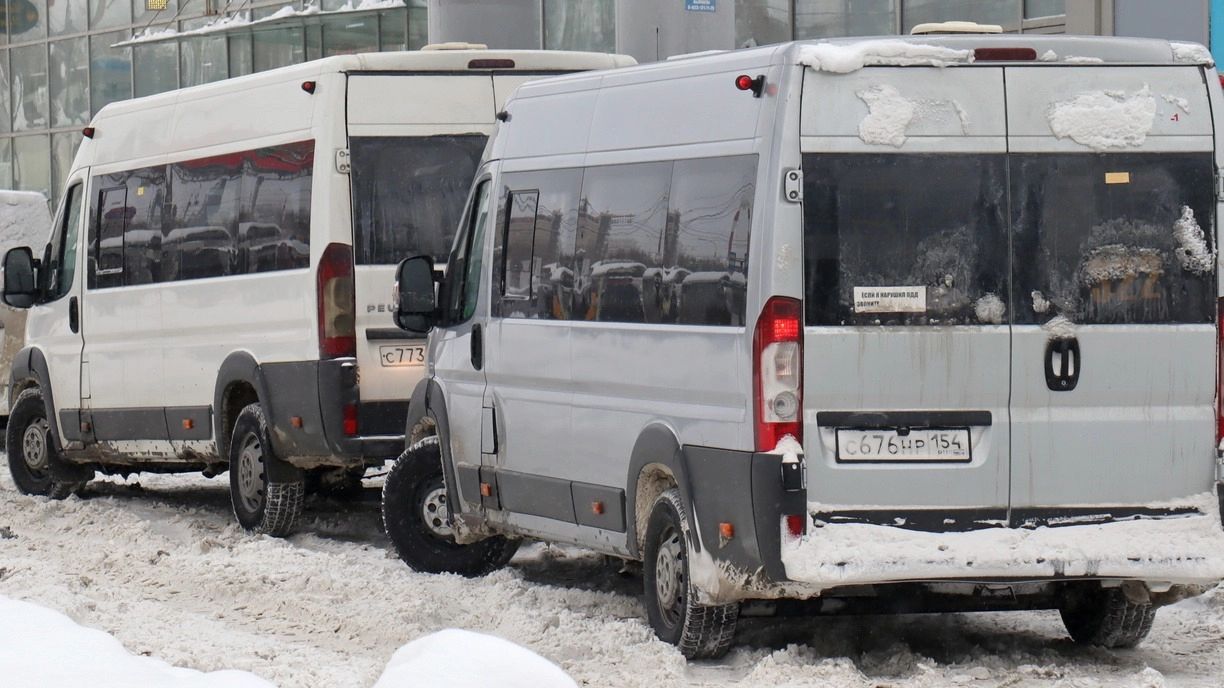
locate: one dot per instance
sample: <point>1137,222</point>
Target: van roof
<point>402,61</point>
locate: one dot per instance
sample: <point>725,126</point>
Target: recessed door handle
<point>1062,364</point>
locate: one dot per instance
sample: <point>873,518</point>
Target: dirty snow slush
<point>158,563</point>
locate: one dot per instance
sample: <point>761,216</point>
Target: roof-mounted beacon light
<point>954,27</point>
<point>747,83</point>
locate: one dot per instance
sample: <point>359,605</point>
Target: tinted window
<point>620,237</point>
<point>274,220</point>
<point>461,287</point>
<point>518,241</point>
<point>207,196</point>
<point>705,251</point>
<point>62,254</point>
<point>905,239</point>
<point>127,232</point>
<point>106,245</point>
<point>551,277</point>
<point>408,194</point>
<point>1114,238</point>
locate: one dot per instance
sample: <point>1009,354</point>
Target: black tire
<point>265,491</point>
<point>31,449</point>
<point>1104,617</point>
<point>699,631</point>
<point>415,488</point>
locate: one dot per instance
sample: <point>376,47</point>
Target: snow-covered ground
<point>158,563</point>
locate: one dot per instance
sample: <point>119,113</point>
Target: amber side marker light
<point>1005,54</point>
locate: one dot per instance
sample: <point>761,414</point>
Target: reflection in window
<point>277,48</point>
<point>149,64</point>
<point>1044,8</point>
<point>1003,12</point>
<point>207,195</point>
<point>408,194</point>
<point>67,16</point>
<point>5,120</point>
<point>63,149</point>
<point>274,219</point>
<point>204,60</point>
<point>32,163</point>
<point>761,22</point>
<point>6,165</point>
<point>29,87</point>
<point>27,20</point>
<point>110,69</point>
<point>69,75</point>
<point>620,235</point>
<point>580,25</point>
<point>828,18</point>
<point>105,14</point>
<point>555,196</point>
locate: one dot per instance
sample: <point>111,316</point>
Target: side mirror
<point>20,278</point>
<point>416,302</point>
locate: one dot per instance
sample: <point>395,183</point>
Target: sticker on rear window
<point>890,300</point>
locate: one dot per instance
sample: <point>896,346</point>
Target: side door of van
<point>457,348</point>
<point>1113,218</point>
<point>56,324</point>
<point>906,340</point>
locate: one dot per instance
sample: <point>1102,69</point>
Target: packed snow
<point>462,659</point>
<point>1192,250</point>
<point>990,309</point>
<point>1104,120</point>
<point>843,59</point>
<point>1191,53</point>
<point>889,114</point>
<point>1040,303</point>
<point>1182,104</point>
<point>1078,59</point>
<point>1059,327</point>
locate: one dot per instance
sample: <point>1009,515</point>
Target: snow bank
<point>1187,549</point>
<point>461,659</point>
<point>1105,119</point>
<point>40,647</point>
<point>843,59</point>
<point>25,220</point>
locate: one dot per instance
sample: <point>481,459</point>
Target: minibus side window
<point>461,288</point>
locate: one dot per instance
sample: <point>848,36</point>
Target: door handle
<point>477,346</point>
<point>1062,364</point>
<point>74,315</point>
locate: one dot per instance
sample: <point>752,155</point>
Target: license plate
<point>397,356</point>
<point>917,445</point>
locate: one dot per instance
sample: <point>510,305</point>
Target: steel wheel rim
<point>34,446</point>
<point>669,576</point>
<point>436,513</point>
<point>250,473</point>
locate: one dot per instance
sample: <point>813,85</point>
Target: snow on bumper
<point>1182,550</point>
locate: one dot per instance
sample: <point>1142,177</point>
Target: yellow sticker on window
<point>1117,177</point>
<point>140,191</point>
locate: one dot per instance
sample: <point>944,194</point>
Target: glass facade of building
<point>59,66</point>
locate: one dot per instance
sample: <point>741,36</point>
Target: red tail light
<point>350,420</point>
<point>337,309</point>
<point>777,372</point>
<point>795,525</point>
<point>1219,370</point>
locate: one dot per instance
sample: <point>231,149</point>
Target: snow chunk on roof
<point>462,659</point>
<point>40,647</point>
<point>1103,120</point>
<point>1191,53</point>
<point>842,59</point>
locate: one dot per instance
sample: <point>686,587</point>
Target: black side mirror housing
<point>20,277</point>
<point>416,300</point>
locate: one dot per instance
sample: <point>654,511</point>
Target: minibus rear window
<point>408,194</point>
<point>905,239</point>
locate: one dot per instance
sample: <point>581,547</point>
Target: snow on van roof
<point>844,58</point>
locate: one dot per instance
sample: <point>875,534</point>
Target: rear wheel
<point>1105,617</point>
<point>31,450</point>
<point>699,631</point>
<point>266,492</point>
<point>417,517</point>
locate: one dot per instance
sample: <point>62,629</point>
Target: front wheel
<point>31,450</point>
<point>417,517</point>
<point>699,631</point>
<point>266,492</point>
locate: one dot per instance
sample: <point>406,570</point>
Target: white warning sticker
<point>890,300</point>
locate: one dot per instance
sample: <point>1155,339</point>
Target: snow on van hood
<point>1104,120</point>
<point>843,59</point>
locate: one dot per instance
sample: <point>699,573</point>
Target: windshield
<point>408,194</point>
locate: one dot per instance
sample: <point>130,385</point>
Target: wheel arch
<point>30,369</point>
<point>657,463</point>
<point>239,382</point>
